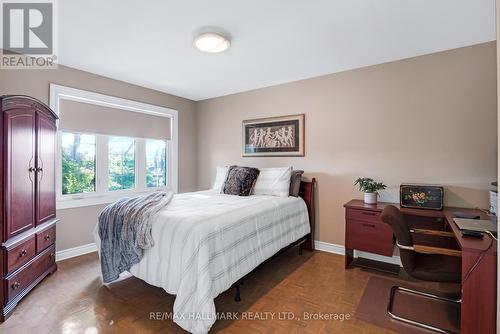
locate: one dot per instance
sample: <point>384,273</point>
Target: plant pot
<point>371,198</point>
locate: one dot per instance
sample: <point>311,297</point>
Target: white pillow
<point>273,182</point>
<point>220,178</point>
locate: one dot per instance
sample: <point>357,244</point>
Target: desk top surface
<point>465,243</point>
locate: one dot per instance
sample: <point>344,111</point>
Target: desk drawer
<point>20,254</point>
<point>364,215</point>
<point>20,280</point>
<point>45,238</point>
<point>374,237</point>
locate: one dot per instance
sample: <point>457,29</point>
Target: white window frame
<point>102,194</point>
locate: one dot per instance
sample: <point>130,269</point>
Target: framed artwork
<point>274,136</point>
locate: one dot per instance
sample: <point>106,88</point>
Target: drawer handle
<point>368,213</point>
<point>47,237</point>
<point>369,225</point>
<point>16,285</point>
<point>23,253</point>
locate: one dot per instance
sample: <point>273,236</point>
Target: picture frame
<point>281,136</point>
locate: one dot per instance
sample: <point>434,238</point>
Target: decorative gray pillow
<point>240,180</point>
<point>295,180</point>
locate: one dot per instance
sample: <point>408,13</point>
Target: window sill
<point>93,200</point>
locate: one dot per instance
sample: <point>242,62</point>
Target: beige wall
<point>429,119</point>
<point>75,228</point>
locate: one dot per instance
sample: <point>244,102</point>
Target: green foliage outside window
<point>121,163</point>
<point>78,163</point>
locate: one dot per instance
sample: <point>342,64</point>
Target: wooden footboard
<point>307,189</point>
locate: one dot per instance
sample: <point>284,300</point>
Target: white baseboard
<point>75,251</point>
<point>340,250</point>
<point>328,247</point>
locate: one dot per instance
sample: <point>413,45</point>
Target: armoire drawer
<point>45,238</point>
<point>21,254</point>
<point>19,281</point>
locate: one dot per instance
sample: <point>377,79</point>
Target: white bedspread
<point>204,242</point>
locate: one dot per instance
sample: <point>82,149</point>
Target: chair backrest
<point>394,218</point>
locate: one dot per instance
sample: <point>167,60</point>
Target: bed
<point>205,242</point>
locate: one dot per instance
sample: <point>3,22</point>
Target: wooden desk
<point>365,231</point>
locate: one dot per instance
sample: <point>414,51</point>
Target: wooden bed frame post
<point>307,189</point>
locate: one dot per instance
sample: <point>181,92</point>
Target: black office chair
<point>423,266</point>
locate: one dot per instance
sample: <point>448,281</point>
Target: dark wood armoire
<point>27,200</point>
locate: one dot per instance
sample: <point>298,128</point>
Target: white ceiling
<point>149,43</point>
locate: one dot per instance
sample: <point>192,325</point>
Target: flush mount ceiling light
<point>211,42</point>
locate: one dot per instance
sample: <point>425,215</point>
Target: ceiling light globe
<point>212,43</point>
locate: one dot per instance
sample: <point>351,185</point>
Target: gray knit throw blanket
<point>125,231</point>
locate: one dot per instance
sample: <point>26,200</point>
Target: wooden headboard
<point>307,194</point>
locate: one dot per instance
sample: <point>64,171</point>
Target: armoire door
<point>45,168</point>
<point>20,129</point>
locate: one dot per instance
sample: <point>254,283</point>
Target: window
<point>156,163</point>
<point>78,163</point>
<point>121,163</point>
<point>101,159</point>
<point>96,165</point>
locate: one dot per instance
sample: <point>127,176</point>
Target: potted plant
<point>370,188</point>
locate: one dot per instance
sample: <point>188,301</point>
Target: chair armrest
<point>433,232</point>
<point>436,250</point>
